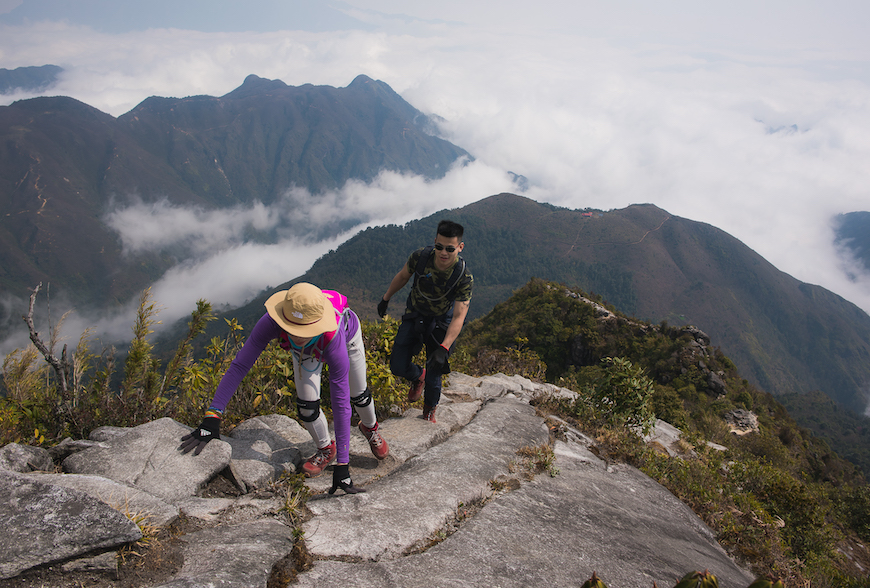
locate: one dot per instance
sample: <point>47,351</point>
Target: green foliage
<point>139,387</point>
<point>388,392</point>
<point>544,317</point>
<point>23,377</point>
<point>517,359</point>
<point>854,505</point>
<point>668,406</point>
<point>624,393</point>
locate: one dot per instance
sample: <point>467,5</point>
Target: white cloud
<point>162,225</point>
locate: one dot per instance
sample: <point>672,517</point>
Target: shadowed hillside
<point>64,164</point>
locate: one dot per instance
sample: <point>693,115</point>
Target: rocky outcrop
<point>741,421</point>
<point>452,505</point>
<point>46,523</point>
<point>695,353</point>
<point>24,458</point>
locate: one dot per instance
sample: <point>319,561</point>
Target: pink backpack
<point>339,304</point>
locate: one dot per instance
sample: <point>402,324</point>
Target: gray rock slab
<point>25,458</point>
<point>105,563</point>
<point>108,432</point>
<point>230,510</point>
<point>403,509</point>
<point>43,524</point>
<point>666,436</point>
<point>204,509</point>
<point>239,556</point>
<point>555,531</point>
<point>69,446</point>
<point>260,455</point>
<point>148,458</point>
<point>407,437</point>
<point>123,498</point>
<point>281,424</point>
<point>515,384</point>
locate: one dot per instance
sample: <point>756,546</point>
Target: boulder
<point>131,501</point>
<point>44,523</point>
<point>148,457</point>
<point>25,458</point>
<point>716,384</point>
<point>69,446</point>
<point>260,455</point>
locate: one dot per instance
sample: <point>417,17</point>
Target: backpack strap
<point>423,260</point>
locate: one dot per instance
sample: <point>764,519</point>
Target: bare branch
<point>34,336</point>
<point>61,366</point>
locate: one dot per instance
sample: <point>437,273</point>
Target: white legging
<point>307,378</point>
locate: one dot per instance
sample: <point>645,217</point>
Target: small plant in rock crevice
<point>534,460</point>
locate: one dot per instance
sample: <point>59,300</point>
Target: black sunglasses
<point>449,248</point>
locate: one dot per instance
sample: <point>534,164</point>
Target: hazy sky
<point>751,116</point>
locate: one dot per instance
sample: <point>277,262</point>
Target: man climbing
<point>434,313</point>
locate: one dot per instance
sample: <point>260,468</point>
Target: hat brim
<point>325,324</point>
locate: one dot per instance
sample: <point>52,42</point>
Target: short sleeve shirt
<point>429,296</point>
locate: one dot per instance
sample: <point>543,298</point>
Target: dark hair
<point>450,229</point>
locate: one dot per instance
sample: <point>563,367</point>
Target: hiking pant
<point>414,333</point>
<point>306,375</point>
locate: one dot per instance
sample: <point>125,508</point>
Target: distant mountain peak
<point>29,78</point>
<point>253,85</point>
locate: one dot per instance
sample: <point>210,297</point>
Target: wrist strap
<point>213,412</point>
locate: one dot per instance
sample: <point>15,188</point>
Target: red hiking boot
<point>379,446</point>
<point>416,390</point>
<point>318,462</point>
<point>429,413</point>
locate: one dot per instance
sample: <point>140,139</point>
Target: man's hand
<point>439,358</point>
<point>382,307</point>
<point>198,438</point>
<point>341,479</point>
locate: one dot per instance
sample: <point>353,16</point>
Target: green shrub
<point>668,406</point>
<point>624,394</point>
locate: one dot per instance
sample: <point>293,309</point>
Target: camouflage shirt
<point>428,296</point>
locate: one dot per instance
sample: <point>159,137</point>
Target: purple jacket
<point>335,357</point>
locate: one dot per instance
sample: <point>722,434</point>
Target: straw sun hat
<point>302,311</point>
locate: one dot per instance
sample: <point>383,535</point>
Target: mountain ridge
<point>784,335</point>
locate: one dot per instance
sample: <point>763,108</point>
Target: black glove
<point>341,479</point>
<point>198,438</point>
<point>382,307</point>
<point>438,360</point>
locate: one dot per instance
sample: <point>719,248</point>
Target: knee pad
<point>309,405</point>
<point>363,399</point>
